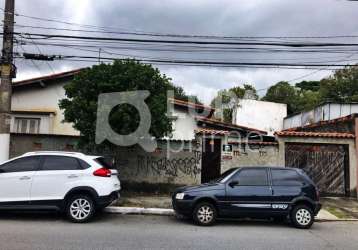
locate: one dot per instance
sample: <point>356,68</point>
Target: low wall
<point>160,167</point>
<point>252,155</point>
<point>179,166</point>
<point>22,143</point>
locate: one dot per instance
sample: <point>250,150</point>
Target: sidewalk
<point>322,216</point>
<point>334,209</point>
<point>342,207</point>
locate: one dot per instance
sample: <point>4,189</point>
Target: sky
<point>199,17</point>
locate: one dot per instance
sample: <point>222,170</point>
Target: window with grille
<point>27,125</point>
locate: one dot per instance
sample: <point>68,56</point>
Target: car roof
<point>270,167</point>
<point>60,153</point>
<point>53,153</point>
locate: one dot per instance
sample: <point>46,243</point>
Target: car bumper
<point>182,207</point>
<point>104,201</point>
<point>317,208</point>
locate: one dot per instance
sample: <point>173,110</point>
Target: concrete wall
<point>22,143</point>
<point>323,112</point>
<point>44,99</point>
<point>267,116</point>
<point>174,162</point>
<point>351,149</point>
<point>252,155</point>
<point>182,167</point>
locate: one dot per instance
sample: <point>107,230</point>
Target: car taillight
<point>102,172</point>
<point>317,193</point>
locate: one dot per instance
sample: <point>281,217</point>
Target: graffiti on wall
<point>184,166</point>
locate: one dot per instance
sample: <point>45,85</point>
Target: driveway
<point>108,231</point>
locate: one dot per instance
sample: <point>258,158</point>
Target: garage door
<point>326,164</point>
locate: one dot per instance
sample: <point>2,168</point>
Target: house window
<point>27,125</point>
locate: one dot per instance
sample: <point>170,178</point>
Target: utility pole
<point>8,71</point>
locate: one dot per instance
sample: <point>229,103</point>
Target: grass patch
<point>337,212</point>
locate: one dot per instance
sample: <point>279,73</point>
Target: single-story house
<point>199,149</point>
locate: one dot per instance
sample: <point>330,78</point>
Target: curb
<point>139,210</point>
<point>170,212</point>
<point>335,220</point>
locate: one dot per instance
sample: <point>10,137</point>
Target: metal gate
<point>326,164</point>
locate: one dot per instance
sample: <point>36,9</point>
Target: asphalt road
<point>48,231</point>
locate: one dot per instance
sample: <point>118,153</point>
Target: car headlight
<point>179,196</point>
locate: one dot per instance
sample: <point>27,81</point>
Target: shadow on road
<point>30,216</point>
<point>123,219</point>
<point>45,216</point>
<point>237,222</point>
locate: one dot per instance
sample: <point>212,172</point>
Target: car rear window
<point>286,177</point>
<point>305,176</point>
<point>52,163</point>
<point>105,163</point>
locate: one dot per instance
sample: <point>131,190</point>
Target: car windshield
<point>224,175</point>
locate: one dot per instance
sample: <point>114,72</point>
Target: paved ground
<point>48,231</point>
<point>341,207</point>
<point>344,208</point>
<point>145,200</point>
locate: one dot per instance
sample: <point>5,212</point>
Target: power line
<point>185,48</point>
<point>282,44</point>
<point>186,36</point>
<point>316,71</point>
<point>197,65</point>
<point>201,62</point>
<point>104,29</point>
<point>48,64</point>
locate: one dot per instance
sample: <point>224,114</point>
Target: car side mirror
<point>233,184</point>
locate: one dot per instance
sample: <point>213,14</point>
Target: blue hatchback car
<point>256,192</point>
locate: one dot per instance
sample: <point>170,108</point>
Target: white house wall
<point>44,99</point>
<point>267,116</point>
<point>184,126</point>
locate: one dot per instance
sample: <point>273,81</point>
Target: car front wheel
<point>302,216</point>
<point>205,214</point>
<point>80,208</point>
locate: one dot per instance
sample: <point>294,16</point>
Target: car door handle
<point>72,176</point>
<point>23,178</point>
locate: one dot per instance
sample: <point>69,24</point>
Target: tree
<point>342,87</point>
<point>226,98</point>
<point>80,106</point>
<point>307,100</point>
<point>181,95</point>
<point>283,92</point>
<point>308,85</point>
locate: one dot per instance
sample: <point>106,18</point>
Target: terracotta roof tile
<point>254,143</point>
<point>314,134</point>
<point>228,125</point>
<point>190,104</point>
<point>47,77</point>
<point>211,131</point>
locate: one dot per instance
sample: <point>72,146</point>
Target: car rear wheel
<point>80,208</point>
<point>302,216</point>
<point>205,214</point>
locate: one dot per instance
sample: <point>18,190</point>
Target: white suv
<point>74,183</point>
